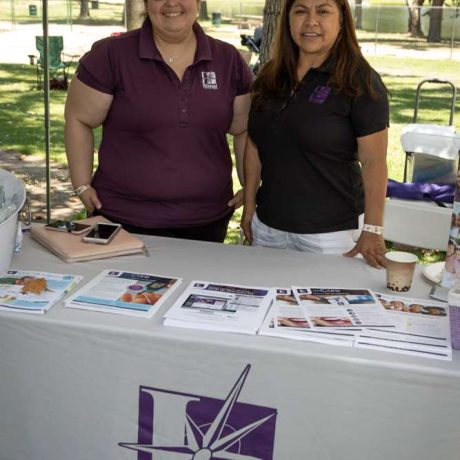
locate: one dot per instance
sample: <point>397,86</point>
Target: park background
<point>403,60</point>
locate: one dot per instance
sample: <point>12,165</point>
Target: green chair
<point>58,68</point>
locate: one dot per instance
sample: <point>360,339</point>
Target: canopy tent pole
<point>46,103</point>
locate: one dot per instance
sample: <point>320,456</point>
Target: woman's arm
<point>372,152</point>
<point>252,168</point>
<point>85,109</point>
<point>238,130</point>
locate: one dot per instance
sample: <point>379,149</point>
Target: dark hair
<point>351,73</point>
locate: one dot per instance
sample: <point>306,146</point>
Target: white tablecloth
<point>75,384</point>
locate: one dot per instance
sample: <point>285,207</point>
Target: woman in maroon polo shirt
<point>166,95</point>
<point>315,161</point>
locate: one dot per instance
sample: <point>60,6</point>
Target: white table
<point>74,384</point>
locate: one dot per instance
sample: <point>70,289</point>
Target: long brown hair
<point>351,73</point>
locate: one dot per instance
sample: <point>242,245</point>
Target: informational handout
<point>421,328</point>
<point>340,308</point>
<point>285,319</point>
<point>126,293</point>
<point>33,292</point>
<point>220,307</point>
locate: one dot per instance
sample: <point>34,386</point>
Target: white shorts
<point>319,243</point>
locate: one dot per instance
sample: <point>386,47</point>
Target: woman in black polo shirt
<point>315,159</point>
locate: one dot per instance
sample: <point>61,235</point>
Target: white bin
<point>434,153</point>
<point>15,192</point>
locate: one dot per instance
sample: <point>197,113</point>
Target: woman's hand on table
<point>237,200</point>
<point>90,199</point>
<point>372,247</point>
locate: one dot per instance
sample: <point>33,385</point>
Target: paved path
<point>30,169</point>
<point>18,41</point>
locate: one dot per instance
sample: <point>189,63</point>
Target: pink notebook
<point>71,248</point>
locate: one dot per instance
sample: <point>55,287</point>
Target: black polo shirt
<point>307,144</point>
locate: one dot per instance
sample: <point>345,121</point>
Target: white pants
<point>319,243</point>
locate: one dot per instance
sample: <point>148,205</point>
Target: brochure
<point>286,319</point>
<point>33,292</point>
<point>126,293</point>
<point>341,308</point>
<point>220,307</point>
<point>421,328</point>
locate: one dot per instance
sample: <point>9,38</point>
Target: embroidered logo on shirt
<point>320,94</point>
<point>209,80</point>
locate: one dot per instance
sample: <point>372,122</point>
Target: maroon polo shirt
<point>164,160</point>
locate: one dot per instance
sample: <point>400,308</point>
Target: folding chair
<point>58,68</point>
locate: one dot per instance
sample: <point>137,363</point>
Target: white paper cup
<point>400,270</point>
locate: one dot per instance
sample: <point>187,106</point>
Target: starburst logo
<point>179,426</point>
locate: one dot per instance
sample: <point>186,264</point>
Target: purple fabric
<point>454,316</point>
<point>421,191</point>
<point>164,160</point>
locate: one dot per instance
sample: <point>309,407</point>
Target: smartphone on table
<point>102,233</point>
<point>75,227</point>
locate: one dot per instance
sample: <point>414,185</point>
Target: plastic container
<point>433,153</point>
<point>453,300</point>
<point>216,18</point>
<point>15,193</point>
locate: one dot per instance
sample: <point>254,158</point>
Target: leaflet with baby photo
<point>285,319</point>
<point>125,293</point>
<point>341,307</point>
<point>421,328</point>
<point>33,292</point>
<point>220,307</point>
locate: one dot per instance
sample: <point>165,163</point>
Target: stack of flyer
<point>421,328</point>
<point>33,292</point>
<point>125,293</point>
<point>220,307</point>
<point>360,318</point>
<point>287,320</point>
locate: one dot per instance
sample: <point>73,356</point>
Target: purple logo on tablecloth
<point>320,94</point>
<point>202,428</point>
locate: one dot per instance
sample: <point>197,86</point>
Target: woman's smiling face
<point>172,17</point>
<point>315,26</point>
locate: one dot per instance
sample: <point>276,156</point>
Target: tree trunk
<point>84,9</point>
<point>434,31</point>
<point>271,15</point>
<point>204,11</point>
<point>414,24</point>
<point>135,10</point>
<point>358,14</point>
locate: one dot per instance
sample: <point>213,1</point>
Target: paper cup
<point>400,270</point>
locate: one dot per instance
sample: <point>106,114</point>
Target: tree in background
<point>271,14</point>
<point>359,14</point>
<point>135,10</point>
<point>434,31</point>
<point>414,24</point>
<point>84,9</point>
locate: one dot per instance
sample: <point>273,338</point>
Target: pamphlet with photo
<point>286,319</point>
<point>33,292</point>
<point>220,307</point>
<point>340,308</point>
<point>421,328</point>
<point>126,293</point>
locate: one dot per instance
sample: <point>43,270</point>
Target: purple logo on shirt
<point>320,94</point>
<point>203,428</point>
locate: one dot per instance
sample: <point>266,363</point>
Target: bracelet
<point>373,229</point>
<point>81,189</point>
